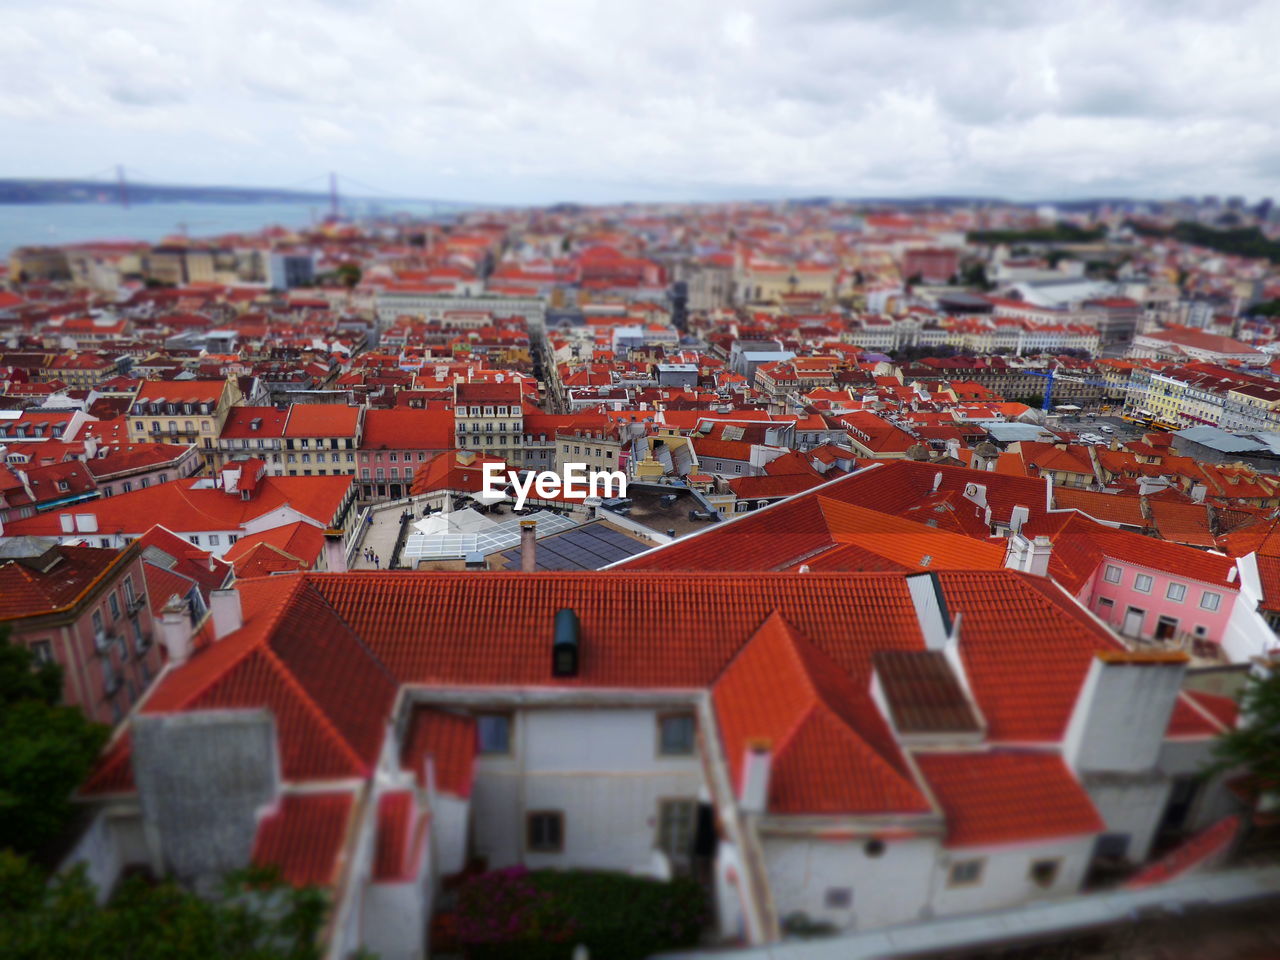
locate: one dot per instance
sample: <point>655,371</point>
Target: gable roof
<point>832,751</point>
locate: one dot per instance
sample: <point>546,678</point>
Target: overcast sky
<point>544,100</point>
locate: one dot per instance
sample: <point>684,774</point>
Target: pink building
<point>84,608</point>
<point>1146,588</point>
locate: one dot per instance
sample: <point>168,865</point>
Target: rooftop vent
<point>564,650</point>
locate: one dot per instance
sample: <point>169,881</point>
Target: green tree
<point>1255,744</point>
<point>253,917</point>
<point>46,750</point>
<point>349,274</point>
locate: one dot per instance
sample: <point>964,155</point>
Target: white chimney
<point>175,630</point>
<point>931,609</point>
<point>1017,517</point>
<point>1122,711</point>
<point>1038,556</point>
<point>528,545</point>
<point>757,762</point>
<point>228,617</point>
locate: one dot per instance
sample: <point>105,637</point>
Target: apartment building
<point>183,411</point>
<point>395,444</point>
<point>489,419</point>
<point>84,608</point>
<point>320,439</point>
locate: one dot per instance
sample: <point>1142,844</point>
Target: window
<point>544,831</point>
<point>493,733</point>
<point>1111,574</point>
<point>838,898</point>
<point>1044,872</point>
<point>214,540</point>
<point>1105,606</point>
<point>676,734</point>
<point>97,622</point>
<point>1112,846</point>
<point>965,873</point>
<point>1142,583</point>
<point>42,650</point>
<point>1210,601</point>
<point>114,602</point>
<point>129,595</point>
<point>1176,592</point>
<point>676,821</point>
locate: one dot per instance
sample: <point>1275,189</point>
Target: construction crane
<point>1053,375</point>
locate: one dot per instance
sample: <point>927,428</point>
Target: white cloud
<point>511,101</point>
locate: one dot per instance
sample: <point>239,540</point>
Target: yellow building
<point>183,411</point>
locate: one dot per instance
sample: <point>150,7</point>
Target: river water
<point>62,223</point>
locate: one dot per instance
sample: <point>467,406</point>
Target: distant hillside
<point>96,191</point>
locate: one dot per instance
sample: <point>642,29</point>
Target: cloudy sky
<point>549,100</point>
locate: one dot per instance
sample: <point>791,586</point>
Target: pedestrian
<point>377,563</point>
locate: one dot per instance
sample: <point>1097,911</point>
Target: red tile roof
<point>190,505</point>
<point>1205,846</point>
<point>25,592</point>
<point>322,420</point>
<point>1003,796</point>
<point>804,529</point>
<point>304,837</point>
<point>449,739</point>
<point>330,697</point>
<point>832,750</point>
<point>406,429</point>
<point>399,839</point>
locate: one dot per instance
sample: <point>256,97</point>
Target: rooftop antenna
<point>124,186</point>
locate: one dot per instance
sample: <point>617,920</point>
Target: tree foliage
<point>46,750</point>
<point>1241,241</point>
<point>543,914</point>
<point>253,917</point>
<point>1255,744</point>
<point>1058,233</point>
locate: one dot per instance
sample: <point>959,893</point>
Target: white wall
<point>1247,634</point>
<point>600,767</point>
<point>112,841</point>
<point>1006,875</point>
<point>889,889</point>
<point>730,914</point>
<point>1132,805</point>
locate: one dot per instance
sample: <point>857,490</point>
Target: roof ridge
<point>312,707</point>
<point>260,641</point>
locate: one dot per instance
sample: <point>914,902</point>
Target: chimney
<point>528,545</point>
<point>335,551</point>
<point>565,643</point>
<point>1122,711</point>
<point>931,609</point>
<point>1038,556</point>
<point>228,617</point>
<point>757,762</point>
<point>1016,552</point>
<point>175,630</point>
<point>1017,517</point>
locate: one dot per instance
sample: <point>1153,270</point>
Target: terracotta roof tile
<point>1005,796</point>
<point>305,837</point>
<point>449,739</point>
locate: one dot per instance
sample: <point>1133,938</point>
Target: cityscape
<point>709,570</point>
